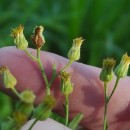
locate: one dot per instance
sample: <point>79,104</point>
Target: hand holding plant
<point>87,96</point>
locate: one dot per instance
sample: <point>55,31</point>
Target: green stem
<point>67,65</point>
<point>16,92</point>
<point>38,53</point>
<point>35,121</point>
<point>105,126</point>
<point>30,55</point>
<point>38,60</point>
<point>43,72</point>
<point>66,109</point>
<point>105,109</point>
<point>117,81</point>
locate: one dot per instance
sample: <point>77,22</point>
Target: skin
<point>88,94</point>
<point>48,124</point>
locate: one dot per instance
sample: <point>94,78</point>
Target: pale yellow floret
<point>125,59</point>
<point>78,41</point>
<point>3,68</point>
<point>65,76</point>
<point>16,31</point>
<point>109,62</point>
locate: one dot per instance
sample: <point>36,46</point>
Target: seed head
<point>37,37</point>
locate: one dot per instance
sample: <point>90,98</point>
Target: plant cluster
<point>106,76</point>
<point>25,109</point>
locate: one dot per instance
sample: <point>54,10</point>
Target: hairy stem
<point>43,72</point>
<point>105,109</point>
<point>117,81</point>
<point>67,65</point>
<point>16,92</point>
<point>66,109</point>
<point>30,55</point>
<point>38,60</point>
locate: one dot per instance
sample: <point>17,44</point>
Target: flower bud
<point>43,111</point>
<point>74,52</point>
<point>38,38</point>
<point>122,69</point>
<point>25,108</point>
<point>25,105</point>
<point>27,96</point>
<point>106,74</point>
<point>19,118</point>
<point>66,85</point>
<point>49,101</point>
<point>9,81</point>
<point>19,38</point>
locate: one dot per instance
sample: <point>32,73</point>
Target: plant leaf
<point>76,120</point>
<point>57,117</point>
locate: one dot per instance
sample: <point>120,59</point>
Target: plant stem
<point>16,92</point>
<point>35,121</point>
<point>117,81</point>
<point>38,60</point>
<point>30,55</point>
<point>67,65</point>
<point>107,99</point>
<point>38,53</point>
<point>66,109</point>
<point>43,72</point>
<point>105,109</point>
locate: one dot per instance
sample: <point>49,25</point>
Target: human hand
<point>88,94</point>
<point>48,124</point>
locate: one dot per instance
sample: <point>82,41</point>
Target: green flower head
<point>27,96</point>
<point>9,81</point>
<point>74,52</point>
<point>122,69</point>
<point>19,38</point>
<point>50,101</point>
<point>106,74</point>
<point>66,85</point>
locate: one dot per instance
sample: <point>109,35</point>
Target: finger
<point>88,95</point>
<point>48,124</point>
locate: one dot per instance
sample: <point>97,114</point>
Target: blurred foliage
<point>5,106</point>
<point>103,23</point>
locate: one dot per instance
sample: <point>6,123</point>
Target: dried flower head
<point>37,37</point>
<point>106,74</point>
<point>19,38</point>
<point>66,85</point>
<point>122,69</point>
<point>74,52</point>
<point>9,81</point>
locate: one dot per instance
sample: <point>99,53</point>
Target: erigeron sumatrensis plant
<point>25,109</point>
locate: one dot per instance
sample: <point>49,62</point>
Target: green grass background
<point>104,24</point>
